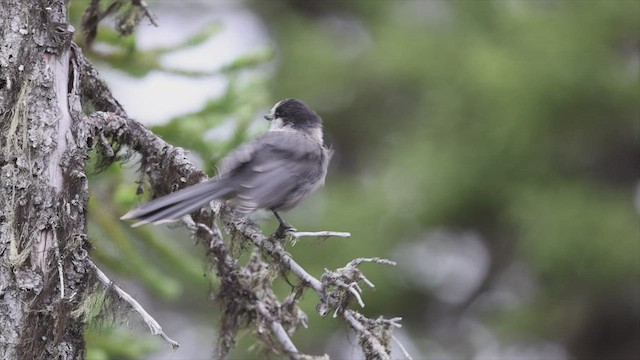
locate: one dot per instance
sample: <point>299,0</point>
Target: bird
<point>275,171</point>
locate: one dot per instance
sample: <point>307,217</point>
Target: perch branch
<point>250,231</point>
<point>142,140</point>
<point>159,157</point>
<point>216,245</point>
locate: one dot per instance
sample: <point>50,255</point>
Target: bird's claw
<point>282,231</point>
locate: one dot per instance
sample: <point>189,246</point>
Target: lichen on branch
<point>245,293</point>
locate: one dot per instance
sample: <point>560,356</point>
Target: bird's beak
<point>268,117</point>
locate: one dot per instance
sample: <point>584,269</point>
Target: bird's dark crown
<point>297,114</point>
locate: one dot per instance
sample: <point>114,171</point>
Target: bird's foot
<point>283,229</point>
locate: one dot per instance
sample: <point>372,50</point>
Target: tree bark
<point>43,194</point>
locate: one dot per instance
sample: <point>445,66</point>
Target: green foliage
<point>573,235</point>
<point>516,119</point>
<point>116,343</point>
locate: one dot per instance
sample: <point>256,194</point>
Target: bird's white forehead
<point>273,109</point>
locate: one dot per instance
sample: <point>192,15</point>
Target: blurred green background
<point>490,147</point>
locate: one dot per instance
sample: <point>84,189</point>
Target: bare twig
<point>155,328</point>
<point>395,322</point>
<point>296,235</point>
<point>373,344</point>
<point>404,351</point>
<point>323,234</point>
<point>366,281</point>
<point>356,294</point>
<point>280,334</point>
<point>376,260</point>
<point>143,5</point>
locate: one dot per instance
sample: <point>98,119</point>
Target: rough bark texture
<point>44,191</point>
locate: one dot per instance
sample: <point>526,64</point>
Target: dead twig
<point>153,325</point>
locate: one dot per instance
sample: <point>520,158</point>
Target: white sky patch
<point>160,96</point>
<point>224,131</point>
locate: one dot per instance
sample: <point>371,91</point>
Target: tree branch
<point>296,235</point>
<point>245,291</point>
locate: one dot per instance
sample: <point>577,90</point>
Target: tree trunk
<point>44,191</point>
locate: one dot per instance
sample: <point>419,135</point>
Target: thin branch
<point>356,294</point>
<point>295,268</point>
<point>376,260</point>
<point>154,326</point>
<point>366,336</point>
<point>404,351</point>
<point>324,234</point>
<point>395,322</point>
<point>280,334</point>
<point>145,8</point>
<point>367,281</point>
<point>250,231</point>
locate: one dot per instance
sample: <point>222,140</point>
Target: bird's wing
<point>276,170</point>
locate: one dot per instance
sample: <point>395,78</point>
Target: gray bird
<point>275,171</point>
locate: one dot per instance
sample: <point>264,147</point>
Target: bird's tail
<point>175,205</point>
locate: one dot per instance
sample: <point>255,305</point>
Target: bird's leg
<point>284,226</point>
